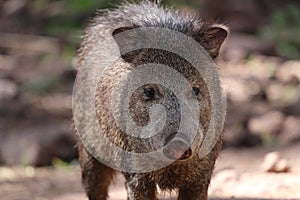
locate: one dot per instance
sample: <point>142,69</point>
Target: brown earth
<point>238,175</point>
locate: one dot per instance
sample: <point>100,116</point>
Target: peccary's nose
<point>177,149</point>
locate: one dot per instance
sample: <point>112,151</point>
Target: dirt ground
<point>238,175</point>
<point>37,46</point>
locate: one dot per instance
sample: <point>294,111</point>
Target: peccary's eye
<point>149,93</point>
<point>196,91</point>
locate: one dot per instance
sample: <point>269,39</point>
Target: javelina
<point>190,173</point>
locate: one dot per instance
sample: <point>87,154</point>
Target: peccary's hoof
<point>177,149</point>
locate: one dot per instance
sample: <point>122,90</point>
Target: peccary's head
<point>144,97</point>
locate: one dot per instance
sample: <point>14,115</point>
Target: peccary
<point>189,174</point>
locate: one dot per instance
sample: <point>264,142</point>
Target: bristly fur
<point>190,177</point>
<point>149,14</point>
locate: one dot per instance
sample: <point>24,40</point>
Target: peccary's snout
<point>177,148</point>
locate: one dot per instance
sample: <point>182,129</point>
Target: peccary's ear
<point>124,42</point>
<point>212,38</point>
<point>121,29</point>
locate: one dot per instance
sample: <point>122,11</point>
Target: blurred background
<point>260,64</point>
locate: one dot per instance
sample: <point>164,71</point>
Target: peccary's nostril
<point>177,148</point>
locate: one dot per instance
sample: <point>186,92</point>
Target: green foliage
<point>70,23</point>
<point>284,30</point>
<point>42,85</point>
<point>179,3</point>
<point>79,6</point>
<point>269,140</point>
<point>58,163</point>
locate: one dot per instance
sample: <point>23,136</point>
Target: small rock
<point>289,71</point>
<point>55,105</point>
<point>294,107</point>
<point>270,161</point>
<point>8,90</point>
<point>7,63</point>
<point>274,163</point>
<point>38,145</point>
<point>240,46</point>
<point>268,123</point>
<point>279,94</point>
<point>291,130</point>
<point>240,89</point>
<point>237,136</point>
<point>262,67</point>
<point>282,166</point>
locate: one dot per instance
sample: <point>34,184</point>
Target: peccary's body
<point>189,174</point>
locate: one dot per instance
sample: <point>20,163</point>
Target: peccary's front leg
<point>193,193</point>
<point>96,176</point>
<point>140,187</point>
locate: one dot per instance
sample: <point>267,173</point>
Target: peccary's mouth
<point>177,148</point>
<point>187,154</point>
